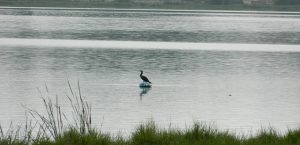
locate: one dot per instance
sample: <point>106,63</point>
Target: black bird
<point>144,78</point>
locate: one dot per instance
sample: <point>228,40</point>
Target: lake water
<point>239,70</point>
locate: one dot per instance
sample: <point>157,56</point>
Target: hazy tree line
<point>287,2</point>
<point>226,2</point>
<point>216,2</point>
<point>211,2</point>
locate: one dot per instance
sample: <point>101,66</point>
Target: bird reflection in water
<point>144,91</point>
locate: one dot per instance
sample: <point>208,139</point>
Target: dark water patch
<point>157,35</point>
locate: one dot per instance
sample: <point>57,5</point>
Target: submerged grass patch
<point>54,128</point>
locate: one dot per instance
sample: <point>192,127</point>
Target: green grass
<point>54,128</point>
<point>149,134</point>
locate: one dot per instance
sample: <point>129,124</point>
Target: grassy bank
<point>54,128</point>
<point>190,6</point>
<point>149,134</point>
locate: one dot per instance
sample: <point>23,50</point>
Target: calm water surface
<point>237,90</point>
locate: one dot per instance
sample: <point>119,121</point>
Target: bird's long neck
<point>141,73</point>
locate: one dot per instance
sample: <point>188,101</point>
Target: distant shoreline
<point>191,11</point>
<point>188,6</point>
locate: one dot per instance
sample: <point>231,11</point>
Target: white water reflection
<point>9,42</point>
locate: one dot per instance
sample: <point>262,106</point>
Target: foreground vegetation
<point>54,128</point>
<point>149,134</point>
